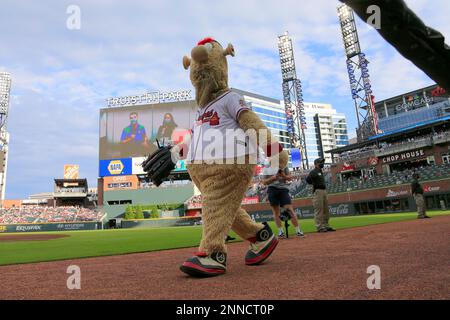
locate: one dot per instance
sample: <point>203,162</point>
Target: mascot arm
<point>248,120</point>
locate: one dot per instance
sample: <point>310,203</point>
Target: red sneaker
<point>262,246</point>
<point>204,265</point>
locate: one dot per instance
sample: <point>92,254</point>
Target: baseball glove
<point>158,165</point>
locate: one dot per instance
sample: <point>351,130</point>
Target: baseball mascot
<point>222,176</point>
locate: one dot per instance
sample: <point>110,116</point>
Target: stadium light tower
<point>293,97</point>
<point>358,75</point>
<point>5,90</point>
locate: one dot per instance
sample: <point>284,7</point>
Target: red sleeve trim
<point>239,112</point>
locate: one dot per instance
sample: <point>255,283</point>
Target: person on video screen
<point>134,133</point>
<point>165,131</point>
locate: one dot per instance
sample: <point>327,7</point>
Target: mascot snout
<point>199,54</point>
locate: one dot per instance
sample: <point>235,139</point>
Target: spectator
<point>39,214</point>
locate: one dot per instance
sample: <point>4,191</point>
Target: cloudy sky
<point>61,76</point>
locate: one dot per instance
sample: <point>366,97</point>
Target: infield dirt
<point>414,258</point>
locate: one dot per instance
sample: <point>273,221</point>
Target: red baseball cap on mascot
<point>206,40</point>
<point>229,50</point>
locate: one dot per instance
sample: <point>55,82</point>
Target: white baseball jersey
<point>216,133</point>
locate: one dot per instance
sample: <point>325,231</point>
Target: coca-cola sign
<point>431,189</point>
<point>339,210</point>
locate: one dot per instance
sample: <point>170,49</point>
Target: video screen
<point>134,131</point>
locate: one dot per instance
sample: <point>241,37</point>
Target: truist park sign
<point>153,97</point>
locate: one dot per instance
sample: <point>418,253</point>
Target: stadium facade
<point>415,138</point>
<point>326,130</point>
<point>414,129</point>
<point>412,110</point>
<point>271,112</point>
<point>374,176</point>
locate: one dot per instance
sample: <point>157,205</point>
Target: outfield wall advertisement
<point>137,166</point>
<point>44,227</point>
<point>120,182</point>
<point>115,167</point>
<point>199,205</point>
<point>336,210</point>
<point>129,166</point>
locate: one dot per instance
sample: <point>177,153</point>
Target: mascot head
<point>209,69</point>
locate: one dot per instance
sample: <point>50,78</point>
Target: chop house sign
<point>404,156</point>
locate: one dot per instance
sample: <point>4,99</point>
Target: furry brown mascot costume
<point>223,184</point>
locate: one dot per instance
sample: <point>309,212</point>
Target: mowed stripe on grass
<point>82,244</point>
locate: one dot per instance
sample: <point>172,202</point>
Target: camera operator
<point>278,195</point>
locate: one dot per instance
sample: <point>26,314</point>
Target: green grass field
<point>81,244</point>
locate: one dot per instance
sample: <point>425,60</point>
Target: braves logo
<point>264,235</point>
<point>210,117</point>
<point>220,257</point>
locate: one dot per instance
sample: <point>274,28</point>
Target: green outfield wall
<point>115,202</point>
<point>158,223</point>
